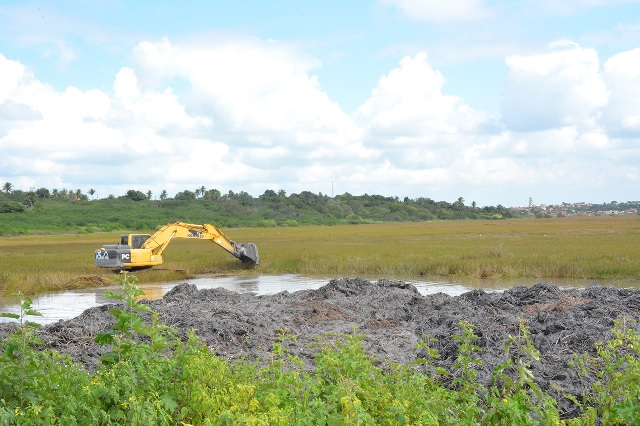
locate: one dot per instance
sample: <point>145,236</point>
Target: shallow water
<point>71,303</point>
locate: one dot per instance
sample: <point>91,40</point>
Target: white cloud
<point>409,103</point>
<point>12,73</point>
<point>441,11</point>
<point>158,110</point>
<point>251,115</point>
<point>251,85</point>
<point>622,74</point>
<point>561,87</point>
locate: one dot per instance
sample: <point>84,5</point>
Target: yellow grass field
<point>585,247</point>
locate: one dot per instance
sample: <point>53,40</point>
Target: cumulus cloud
<point>256,95</point>
<point>418,129</point>
<point>409,102</point>
<point>622,75</point>
<point>248,114</point>
<point>560,87</point>
<point>248,105</point>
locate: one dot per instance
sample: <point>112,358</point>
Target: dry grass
<point>591,248</point>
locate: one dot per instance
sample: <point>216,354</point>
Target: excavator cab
<point>128,254</point>
<point>134,241</point>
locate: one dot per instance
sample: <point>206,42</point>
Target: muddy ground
<point>392,314</point>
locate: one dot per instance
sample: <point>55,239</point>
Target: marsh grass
<point>585,248</point>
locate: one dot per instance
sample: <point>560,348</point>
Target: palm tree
<point>163,194</point>
<point>91,192</point>
<point>7,187</point>
<point>30,201</point>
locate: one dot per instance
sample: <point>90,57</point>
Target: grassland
<point>585,247</point>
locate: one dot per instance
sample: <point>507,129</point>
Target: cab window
<point>138,240</point>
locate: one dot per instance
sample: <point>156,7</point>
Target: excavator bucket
<point>247,253</point>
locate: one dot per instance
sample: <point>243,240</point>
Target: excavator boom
<point>144,250</point>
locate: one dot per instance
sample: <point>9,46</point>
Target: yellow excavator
<point>145,250</point>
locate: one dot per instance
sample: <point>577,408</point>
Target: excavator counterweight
<point>145,250</point>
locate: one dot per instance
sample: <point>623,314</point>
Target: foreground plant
<point>616,392</point>
<point>36,384</point>
<point>149,377</point>
<point>131,385</point>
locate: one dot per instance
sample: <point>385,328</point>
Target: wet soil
<point>392,314</point>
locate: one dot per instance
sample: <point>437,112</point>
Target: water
<point>71,303</point>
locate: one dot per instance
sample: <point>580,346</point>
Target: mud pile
<point>392,314</point>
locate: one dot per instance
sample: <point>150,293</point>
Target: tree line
<point>272,208</point>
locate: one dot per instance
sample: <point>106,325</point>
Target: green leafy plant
<point>616,392</point>
<point>515,398</point>
<point>129,323</point>
<point>17,350</point>
<point>37,384</point>
<point>132,384</point>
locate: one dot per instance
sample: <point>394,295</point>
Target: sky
<point>492,101</point>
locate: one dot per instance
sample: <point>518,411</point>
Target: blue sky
<point>492,101</point>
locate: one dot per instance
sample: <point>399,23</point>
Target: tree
<point>149,193</point>
<point>91,192</point>
<point>212,195</point>
<point>30,201</point>
<point>185,195</point>
<point>268,195</point>
<point>7,187</point>
<point>43,193</point>
<point>458,204</point>
<point>163,194</point>
<point>135,195</point>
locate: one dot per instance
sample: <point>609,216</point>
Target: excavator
<point>137,251</point>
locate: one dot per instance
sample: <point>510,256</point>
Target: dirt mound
<point>392,314</point>
<point>90,281</point>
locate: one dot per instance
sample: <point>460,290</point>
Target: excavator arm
<point>158,242</point>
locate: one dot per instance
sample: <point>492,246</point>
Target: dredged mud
<point>393,315</point>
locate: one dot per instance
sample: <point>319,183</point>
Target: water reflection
<point>71,303</point>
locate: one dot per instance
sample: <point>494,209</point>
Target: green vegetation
<point>576,247</point>
<point>68,211</point>
<point>151,377</point>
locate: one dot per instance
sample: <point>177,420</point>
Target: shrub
<point>267,223</point>
<point>11,207</point>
